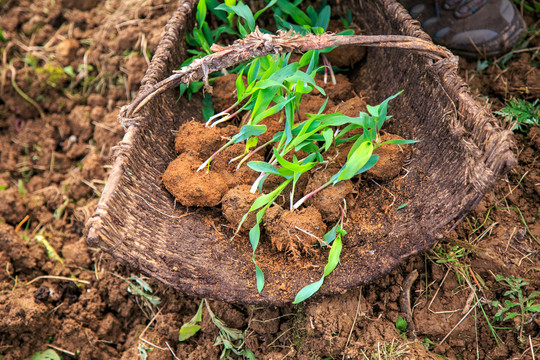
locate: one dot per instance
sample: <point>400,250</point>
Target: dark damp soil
<point>55,155</point>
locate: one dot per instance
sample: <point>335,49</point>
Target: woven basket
<point>462,152</point>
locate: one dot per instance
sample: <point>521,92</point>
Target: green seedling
<point>401,326</point>
<point>51,252</point>
<point>192,326</point>
<point>526,306</point>
<point>231,339</point>
<point>522,113</point>
<point>138,287</point>
<point>48,354</point>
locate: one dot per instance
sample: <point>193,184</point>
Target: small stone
<point>66,51</point>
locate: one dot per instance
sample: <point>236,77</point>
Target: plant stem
<point>226,118</point>
<point>250,154</point>
<point>302,200</point>
<point>207,161</point>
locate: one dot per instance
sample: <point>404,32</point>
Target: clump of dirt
<point>311,104</point>
<point>328,200</point>
<point>235,203</point>
<point>342,90</point>
<point>191,187</point>
<point>351,107</point>
<point>195,138</point>
<point>295,232</point>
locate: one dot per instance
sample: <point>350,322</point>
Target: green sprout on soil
<point>141,289</point>
<point>522,113</point>
<point>231,339</point>
<point>51,252</point>
<point>526,306</point>
<point>48,354</point>
<point>401,326</point>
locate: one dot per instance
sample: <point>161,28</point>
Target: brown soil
<point>294,232</point>
<point>52,171</point>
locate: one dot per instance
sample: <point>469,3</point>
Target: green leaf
<point>48,354</point>
<point>330,236</point>
<point>207,107</point>
<point>2,37</point>
<point>328,138</point>
<point>51,252</point>
<point>333,256</point>
<point>355,162</point>
<point>401,324</point>
<point>240,87</point>
<point>308,291</point>
<point>254,236</point>
<point>371,163</point>
<point>262,166</point>
<point>333,259</point>
<point>242,11</point>
<point>294,167</point>
<point>324,18</point>
<point>253,70</point>
<point>69,71</point>
<point>259,276</point>
<point>271,111</point>
<point>191,328</point>
<point>269,5</point>
<point>251,143</point>
<point>383,107</point>
<point>267,83</point>
<point>294,12</point>
<point>248,131</point>
<point>510,316</point>
<point>200,16</point>
<point>398,142</point>
<point>264,98</point>
<point>401,206</point>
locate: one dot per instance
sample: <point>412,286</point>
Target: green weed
<point>401,326</point>
<point>530,5</point>
<point>48,354</point>
<point>231,339</point>
<point>526,306</point>
<point>143,292</point>
<point>51,252</point>
<point>522,113</point>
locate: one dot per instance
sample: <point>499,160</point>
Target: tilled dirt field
<point>67,67</point>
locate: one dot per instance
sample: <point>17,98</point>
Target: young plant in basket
<point>316,135</point>
<point>275,87</point>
